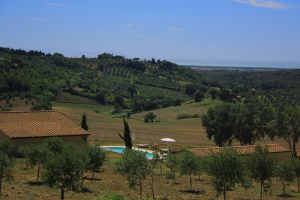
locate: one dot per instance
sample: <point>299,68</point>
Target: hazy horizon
<point>252,33</point>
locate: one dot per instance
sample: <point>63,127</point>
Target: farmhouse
<point>279,152</point>
<point>26,128</point>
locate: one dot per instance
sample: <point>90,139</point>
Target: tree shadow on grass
<point>92,179</point>
<point>85,190</point>
<point>192,191</point>
<point>35,183</point>
<point>286,195</point>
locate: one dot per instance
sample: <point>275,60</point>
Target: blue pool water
<point>120,150</point>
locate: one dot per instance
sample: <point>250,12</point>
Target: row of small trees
<point>226,169</point>
<point>63,165</point>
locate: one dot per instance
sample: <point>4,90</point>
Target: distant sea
<point>230,68</point>
<point>206,64</point>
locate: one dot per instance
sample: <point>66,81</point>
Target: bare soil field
<point>107,181</point>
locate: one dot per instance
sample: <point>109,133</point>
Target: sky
<point>258,33</point>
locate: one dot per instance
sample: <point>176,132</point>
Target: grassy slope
<point>188,132</point>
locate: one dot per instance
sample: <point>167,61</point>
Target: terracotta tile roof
<point>38,124</point>
<point>247,149</point>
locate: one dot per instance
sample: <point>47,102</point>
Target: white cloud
<point>175,29</point>
<point>271,4</point>
<point>57,5</point>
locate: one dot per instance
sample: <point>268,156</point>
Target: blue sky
<point>204,32</point>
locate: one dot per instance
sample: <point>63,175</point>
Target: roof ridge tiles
<point>32,111</point>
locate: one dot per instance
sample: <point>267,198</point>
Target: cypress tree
<point>126,137</point>
<point>84,123</point>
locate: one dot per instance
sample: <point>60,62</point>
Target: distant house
<point>279,152</point>
<point>26,128</point>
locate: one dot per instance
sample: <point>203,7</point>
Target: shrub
<point>187,116</point>
<point>149,117</point>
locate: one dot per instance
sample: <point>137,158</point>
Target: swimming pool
<point>121,149</point>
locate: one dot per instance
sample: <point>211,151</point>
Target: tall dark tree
<point>219,124</point>
<point>84,124</point>
<point>244,127</point>
<point>126,137</point>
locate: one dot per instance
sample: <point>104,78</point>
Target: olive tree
<point>261,166</point>
<point>287,126</point>
<point>6,162</point>
<point>285,172</point>
<point>64,169</point>
<point>226,169</point>
<point>172,164</point>
<point>35,155</point>
<point>296,163</point>
<point>153,164</point>
<point>135,166</point>
<point>96,158</point>
<point>188,164</point>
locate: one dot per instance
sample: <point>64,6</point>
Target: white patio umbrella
<point>167,140</point>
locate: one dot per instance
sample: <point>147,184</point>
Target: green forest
<point>131,84</point>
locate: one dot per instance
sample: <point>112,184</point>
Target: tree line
<point>253,120</point>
